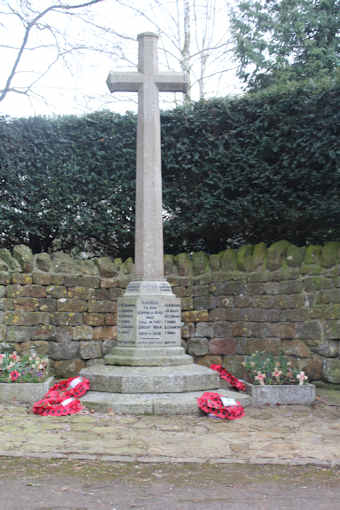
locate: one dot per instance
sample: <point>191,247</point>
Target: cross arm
<point>171,82</point>
<point>124,82</point>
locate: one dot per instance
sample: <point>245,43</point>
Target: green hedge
<point>68,182</point>
<point>262,168</point>
<point>259,168</point>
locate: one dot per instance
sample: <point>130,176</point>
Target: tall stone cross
<point>149,314</point>
<point>148,81</point>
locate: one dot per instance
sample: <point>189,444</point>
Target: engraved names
<point>149,321</point>
<point>126,319</point>
<point>172,323</point>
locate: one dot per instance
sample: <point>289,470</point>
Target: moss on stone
<point>329,311</point>
<point>330,254</point>
<point>24,256</point>
<point>313,255</point>
<point>311,269</point>
<point>118,264</point>
<point>169,265</point>
<point>11,262</point>
<point>215,262</point>
<point>276,255</point>
<point>314,283</point>
<point>89,267</point>
<point>228,260</point>
<point>200,263</point>
<point>128,266</point>
<point>64,263</point>
<point>237,276</point>
<point>285,273</point>
<point>184,264</point>
<point>106,267</point>
<point>43,262</point>
<point>3,266</point>
<point>260,276</point>
<point>245,258</point>
<point>259,256</point>
<point>295,255</point>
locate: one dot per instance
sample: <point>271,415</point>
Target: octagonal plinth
<point>159,404</point>
<point>134,380</point>
<point>148,357</point>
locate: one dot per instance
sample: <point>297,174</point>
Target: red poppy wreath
<point>212,404</point>
<point>60,400</point>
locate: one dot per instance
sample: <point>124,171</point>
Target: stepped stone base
<point>152,390</point>
<point>177,379</point>
<point>160,404</point>
<point>148,357</point>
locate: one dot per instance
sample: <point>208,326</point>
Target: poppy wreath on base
<point>231,379</point>
<point>75,386</point>
<point>68,406</point>
<point>60,400</point>
<point>212,404</point>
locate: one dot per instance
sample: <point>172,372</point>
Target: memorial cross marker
<point>148,82</point>
<point>154,375</point>
<point>149,315</point>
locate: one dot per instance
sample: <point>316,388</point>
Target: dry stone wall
<point>277,298</point>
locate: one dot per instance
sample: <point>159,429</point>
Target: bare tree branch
<point>29,26</point>
<point>193,38</point>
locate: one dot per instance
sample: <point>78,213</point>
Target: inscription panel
<point>126,322</point>
<point>172,323</point>
<point>149,321</point>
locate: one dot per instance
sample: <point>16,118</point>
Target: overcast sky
<point>81,86</point>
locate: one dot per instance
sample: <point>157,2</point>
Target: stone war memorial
<point>147,371</point>
<point>145,334</point>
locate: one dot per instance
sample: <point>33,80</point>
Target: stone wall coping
<point>282,259</point>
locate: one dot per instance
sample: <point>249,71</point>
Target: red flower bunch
<point>14,375</point>
<point>231,379</point>
<point>211,403</point>
<point>61,400</point>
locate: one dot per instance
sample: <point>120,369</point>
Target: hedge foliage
<point>68,182</point>
<point>259,168</point>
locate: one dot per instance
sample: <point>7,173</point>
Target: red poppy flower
<point>14,375</point>
<point>231,379</point>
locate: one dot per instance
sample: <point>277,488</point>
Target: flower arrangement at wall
<point>22,369</point>
<point>265,369</point>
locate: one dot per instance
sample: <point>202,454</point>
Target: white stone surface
<point>282,394</point>
<point>148,356</point>
<point>149,321</point>
<point>138,378</point>
<point>148,81</point>
<point>177,379</point>
<point>161,404</point>
<point>24,392</point>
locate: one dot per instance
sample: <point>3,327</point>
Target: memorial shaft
<point>148,370</point>
<point>149,228</point>
<point>148,82</point>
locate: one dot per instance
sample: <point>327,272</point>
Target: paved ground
<point>273,458</point>
<point>278,435</point>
